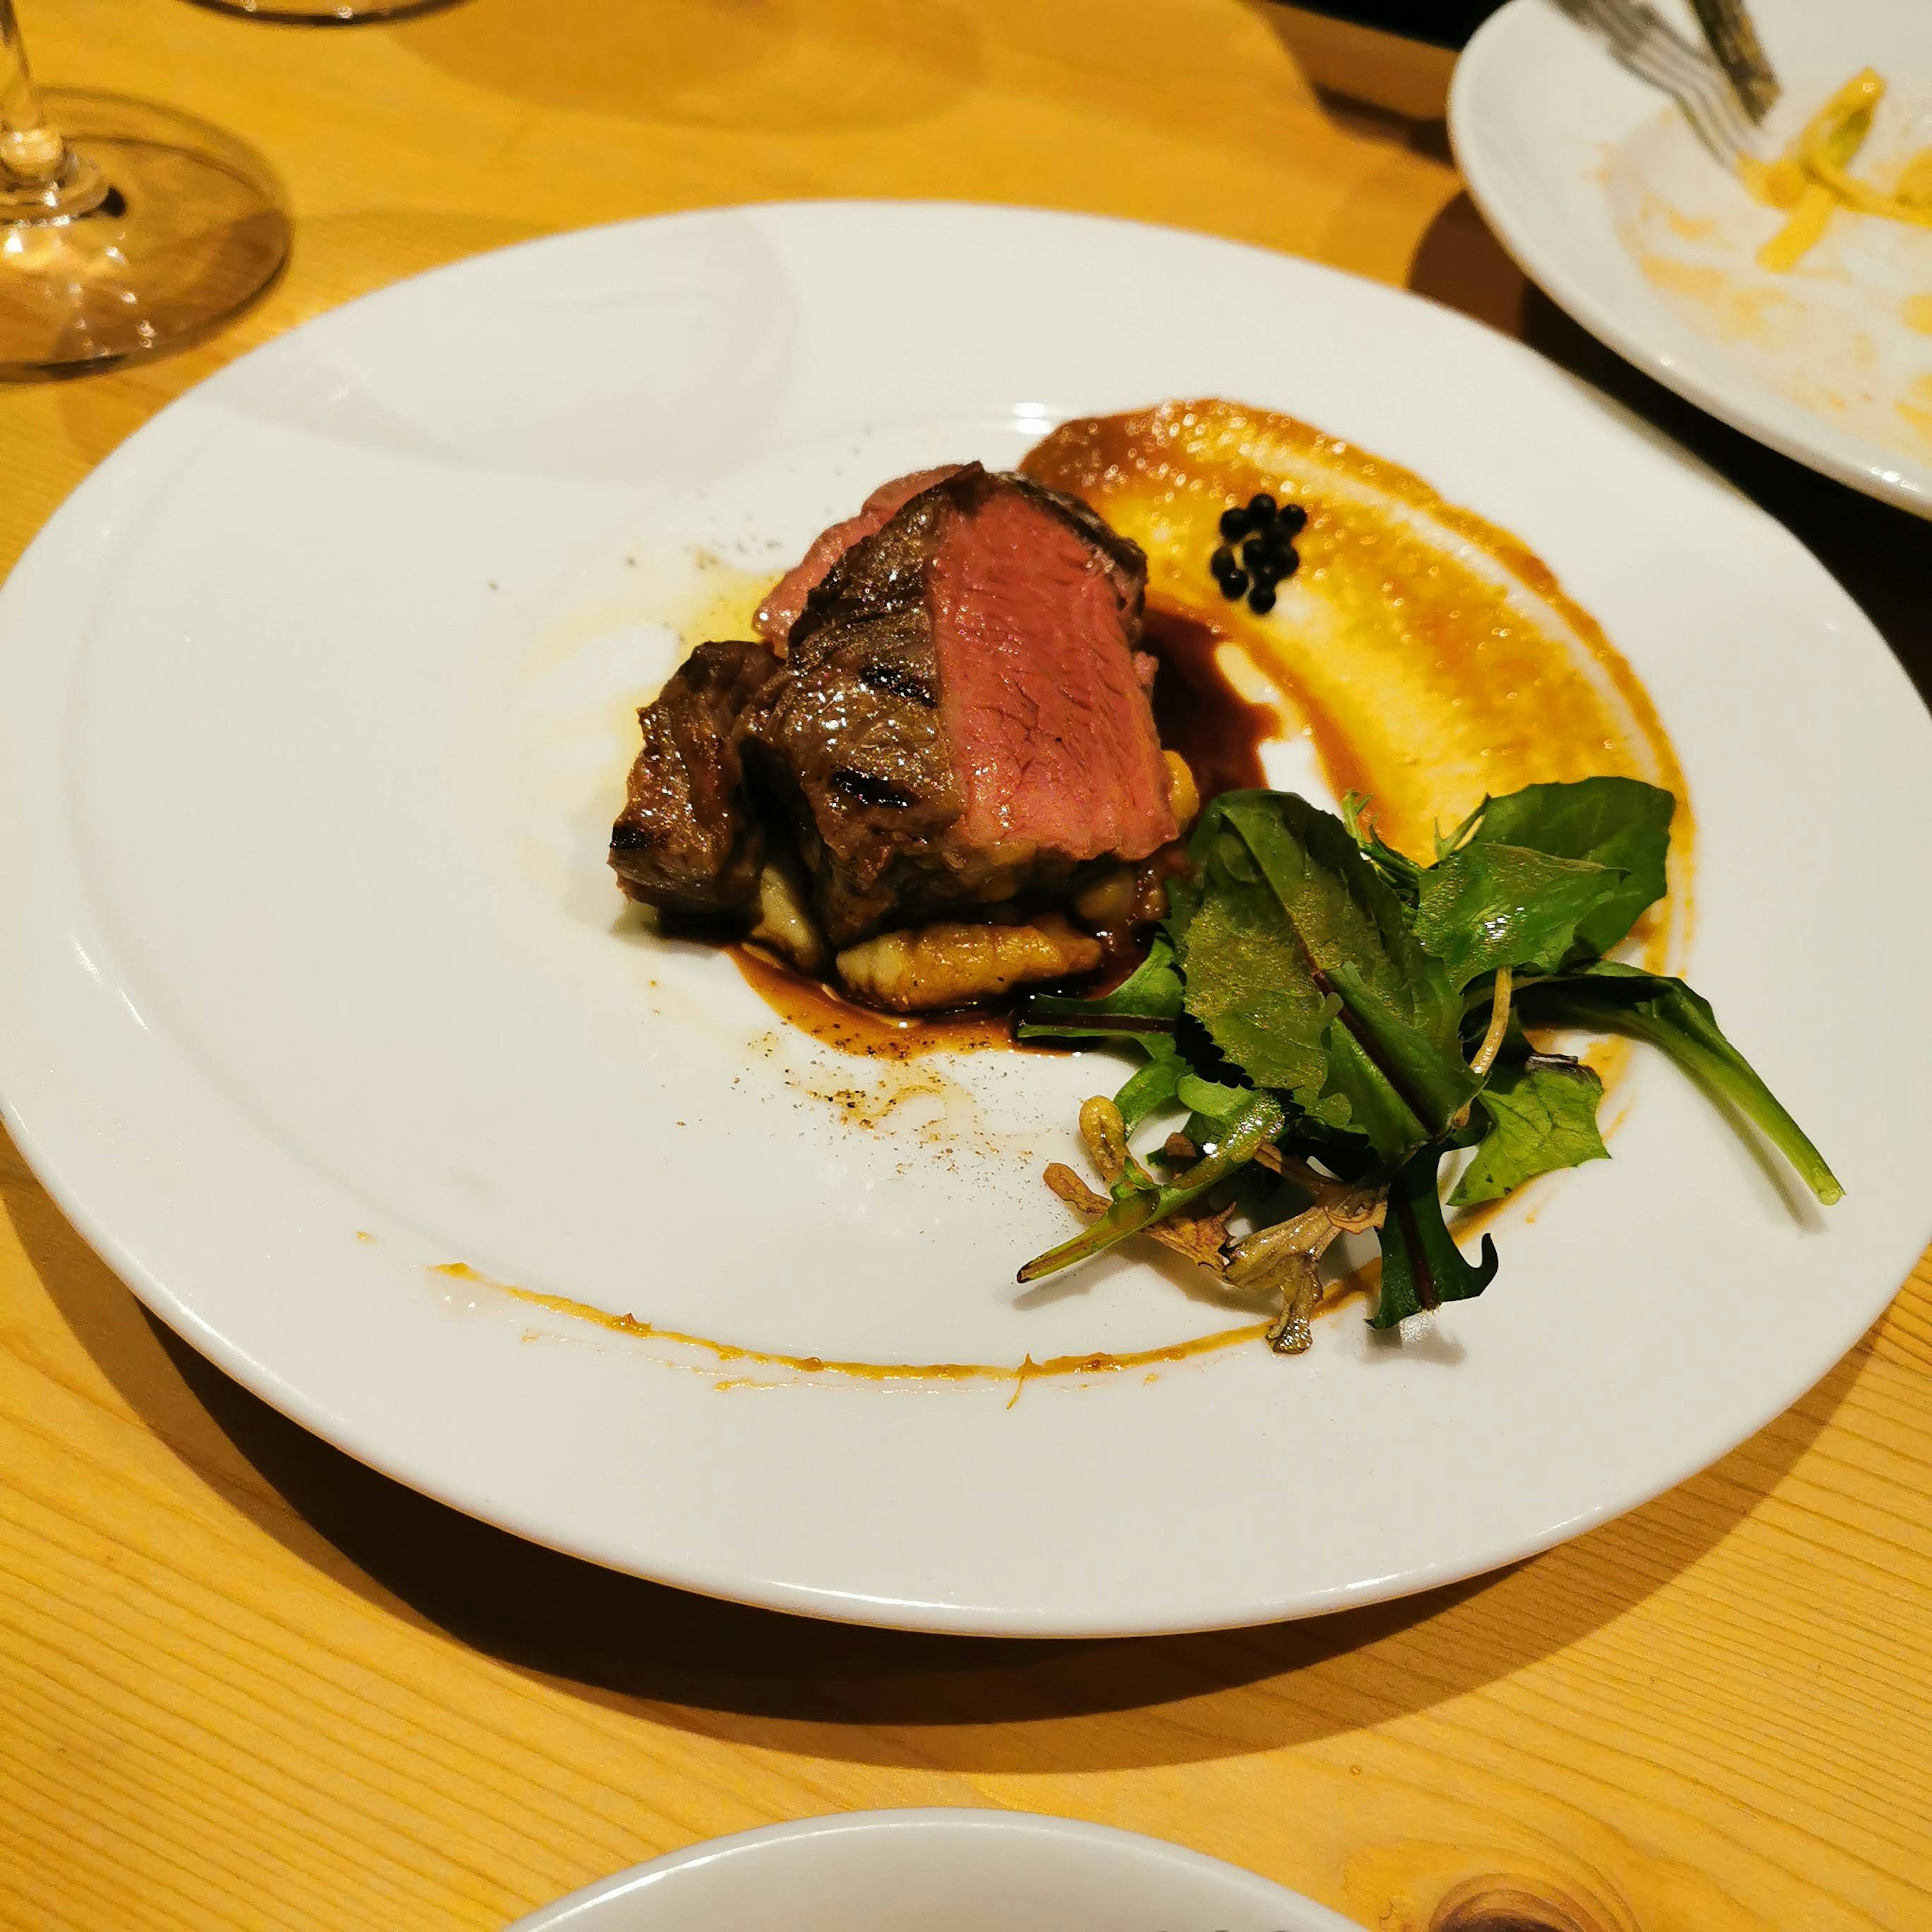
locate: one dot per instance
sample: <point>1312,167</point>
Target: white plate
<point>1594,184</point>
<point>938,1871</point>
<point>314,716</point>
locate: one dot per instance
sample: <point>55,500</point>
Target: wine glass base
<point>324,12</point>
<point>192,230</point>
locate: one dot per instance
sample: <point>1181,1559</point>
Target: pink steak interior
<point>1051,736</point>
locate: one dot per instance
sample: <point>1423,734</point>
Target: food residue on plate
<point>1813,270</point>
<point>1812,180</point>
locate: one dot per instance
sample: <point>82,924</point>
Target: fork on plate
<point>1724,98</point>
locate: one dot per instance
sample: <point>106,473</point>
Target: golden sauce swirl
<point>1431,658</point>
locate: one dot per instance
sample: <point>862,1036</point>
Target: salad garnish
<point>1335,1018</point>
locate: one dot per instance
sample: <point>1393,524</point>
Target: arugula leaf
<point>1422,1266</point>
<point>1247,977</point>
<point>1491,905</point>
<point>1210,1098</point>
<point>1542,1112</point>
<point>1299,961</point>
<point>1608,998</point>
<point>1136,1206</point>
<point>1153,1086</point>
<point>1618,822</point>
<point>1403,874</point>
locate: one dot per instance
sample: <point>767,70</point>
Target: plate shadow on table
<point>895,1698</point>
<point>1881,554</point>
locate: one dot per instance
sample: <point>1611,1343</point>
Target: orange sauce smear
<point>733,1353</point>
<point>1430,657</point>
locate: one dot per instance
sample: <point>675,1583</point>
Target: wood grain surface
<point>245,1682</point>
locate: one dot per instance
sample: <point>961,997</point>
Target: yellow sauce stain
<point>1016,1372</point>
<point>1735,310</point>
<point>1687,227</point>
<point>721,602</point>
<point>1916,409</point>
<point>1917,310</point>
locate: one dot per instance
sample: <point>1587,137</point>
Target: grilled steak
<point>959,721</point>
<point>779,611</point>
<point>687,839</point>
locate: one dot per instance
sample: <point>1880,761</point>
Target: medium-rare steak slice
<point>687,839</point>
<point>961,722</point>
<point>780,610</point>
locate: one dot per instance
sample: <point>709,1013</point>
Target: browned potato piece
<point>932,966</point>
<point>1183,795</point>
<point>784,923</point>
<point>1109,899</point>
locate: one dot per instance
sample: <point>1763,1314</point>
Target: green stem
<point>1253,1127</point>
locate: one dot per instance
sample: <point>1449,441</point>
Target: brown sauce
<point>732,1353</point>
<point>1197,711</point>
<point>816,1006</point>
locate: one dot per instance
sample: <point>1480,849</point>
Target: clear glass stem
<point>41,178</point>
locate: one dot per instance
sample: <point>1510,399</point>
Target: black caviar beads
<point>1266,534</point>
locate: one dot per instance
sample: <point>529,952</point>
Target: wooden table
<point>245,1682</point>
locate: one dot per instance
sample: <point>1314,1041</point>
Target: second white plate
<point>935,1871</point>
<point>1595,184</point>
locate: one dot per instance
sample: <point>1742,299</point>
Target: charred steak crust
<point>848,740</point>
<point>687,839</point>
<point>780,610</point>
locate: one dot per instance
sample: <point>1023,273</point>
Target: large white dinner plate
<point>314,702</point>
<point>935,1871</point>
<point>1594,183</point>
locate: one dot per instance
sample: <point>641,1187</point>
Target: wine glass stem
<point>41,178</point>
<point>30,150</point>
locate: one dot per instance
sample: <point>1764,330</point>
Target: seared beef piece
<point>960,721</point>
<point>779,611</point>
<point>687,840</point>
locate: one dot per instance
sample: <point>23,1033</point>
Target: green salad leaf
<point>1300,963</point>
<point>1325,1007</point>
<point>1142,1009</point>
<point>1541,1115</point>
<point>1422,1266</point>
<point>1491,905</point>
<point>1607,998</point>
<point>1619,824</point>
